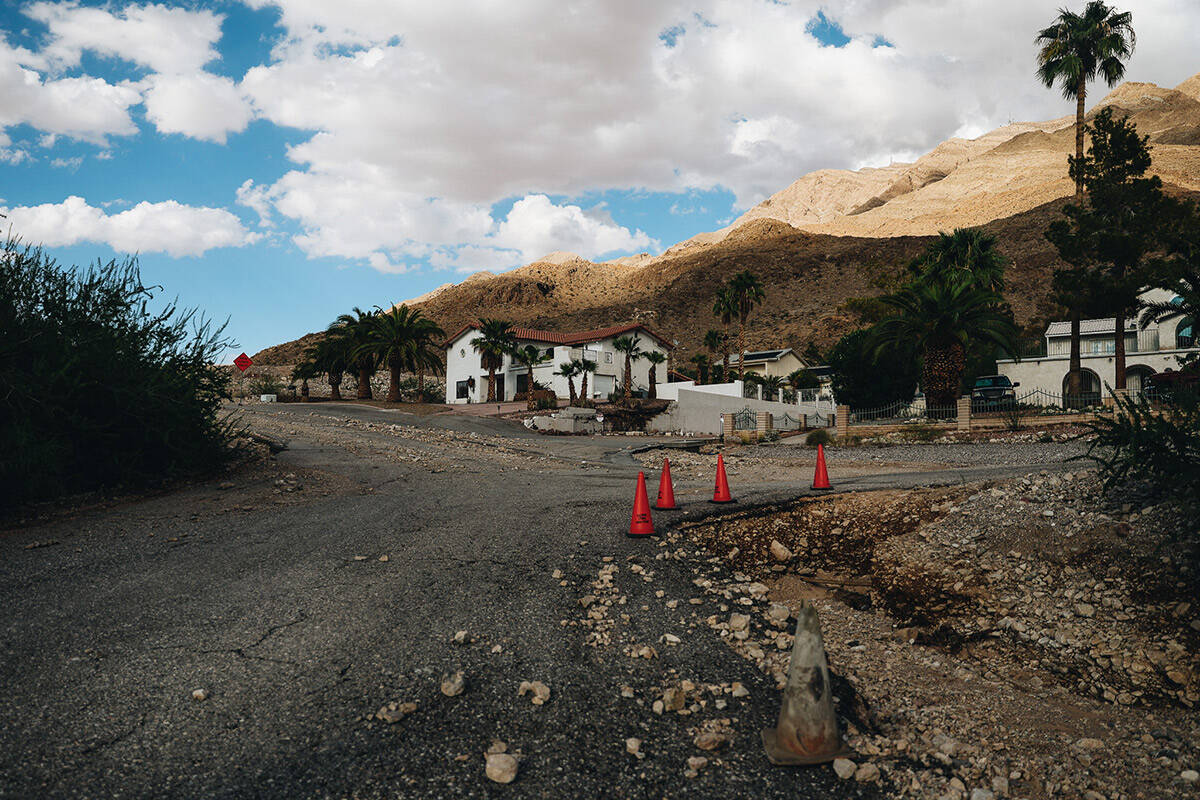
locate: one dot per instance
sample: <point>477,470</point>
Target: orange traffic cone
<point>641,525</point>
<point>666,492</point>
<point>821,478</point>
<point>721,492</point>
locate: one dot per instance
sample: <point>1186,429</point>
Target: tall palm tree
<point>355,330</point>
<point>530,357</point>
<point>939,319</point>
<point>1074,50</point>
<point>632,348</point>
<point>701,362</point>
<point>568,370</point>
<point>745,293</point>
<point>724,309</point>
<point>1077,48</point>
<point>655,357</point>
<point>714,341</point>
<point>395,340</point>
<point>494,340</point>
<point>584,367</point>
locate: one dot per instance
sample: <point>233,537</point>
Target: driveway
<point>304,594</point>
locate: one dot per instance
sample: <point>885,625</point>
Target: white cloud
<point>167,227</point>
<point>161,38</point>
<point>477,103</point>
<point>84,108</point>
<point>13,155</point>
<point>535,226</point>
<point>199,105</point>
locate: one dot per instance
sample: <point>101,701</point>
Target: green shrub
<point>97,389</point>
<point>265,383</point>
<point>819,436</point>
<point>922,433</point>
<point>1158,446</point>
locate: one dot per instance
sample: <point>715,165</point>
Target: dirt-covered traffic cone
<point>721,491</point>
<point>641,525</point>
<point>821,478</point>
<point>807,731</point>
<point>666,491</point>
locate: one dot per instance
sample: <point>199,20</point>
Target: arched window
<point>1184,336</point>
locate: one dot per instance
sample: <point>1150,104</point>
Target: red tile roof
<point>571,337</point>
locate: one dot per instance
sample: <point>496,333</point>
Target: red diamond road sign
<point>243,362</point>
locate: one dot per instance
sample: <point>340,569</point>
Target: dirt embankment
<point>1022,638</point>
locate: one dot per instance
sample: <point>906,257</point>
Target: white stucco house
<point>1156,349</point>
<point>467,378</point>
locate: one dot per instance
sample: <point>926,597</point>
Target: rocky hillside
<point>833,235</point>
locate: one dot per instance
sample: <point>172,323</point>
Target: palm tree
<point>967,254</point>
<point>494,340</point>
<point>331,356</point>
<point>584,367</point>
<point>632,348</point>
<point>803,379</point>
<point>771,385</point>
<point>1077,48</point>
<point>530,357</point>
<point>302,372</point>
<point>426,354</point>
<point>724,309</point>
<point>397,339</point>
<point>568,370</point>
<point>1074,50</point>
<point>714,340</point>
<point>655,357</point>
<point>939,319</point>
<point>701,362</point>
<point>355,330</point>
<point>745,292</point>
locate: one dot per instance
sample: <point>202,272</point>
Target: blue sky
<point>279,161</point>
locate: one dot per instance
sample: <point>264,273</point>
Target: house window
<point>462,390</point>
<point>608,358</point>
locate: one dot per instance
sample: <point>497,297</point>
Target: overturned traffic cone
<point>641,525</point>
<point>807,731</point>
<point>721,492</point>
<point>666,491</point>
<point>821,478</point>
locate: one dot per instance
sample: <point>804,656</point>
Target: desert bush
<point>1157,446</point>
<point>819,436</point>
<point>265,383</point>
<point>98,390</point>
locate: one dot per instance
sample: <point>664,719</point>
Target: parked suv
<point>993,390</point>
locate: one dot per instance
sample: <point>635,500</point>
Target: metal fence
<point>899,413</point>
<point>745,420</point>
<point>1037,402</point>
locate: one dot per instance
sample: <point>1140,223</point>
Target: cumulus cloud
<point>199,105</point>
<point>503,100</point>
<point>167,227</point>
<point>158,37</point>
<point>84,108</point>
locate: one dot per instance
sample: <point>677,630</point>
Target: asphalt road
<point>111,618</point>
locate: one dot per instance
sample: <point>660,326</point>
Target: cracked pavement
<point>273,598</point>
